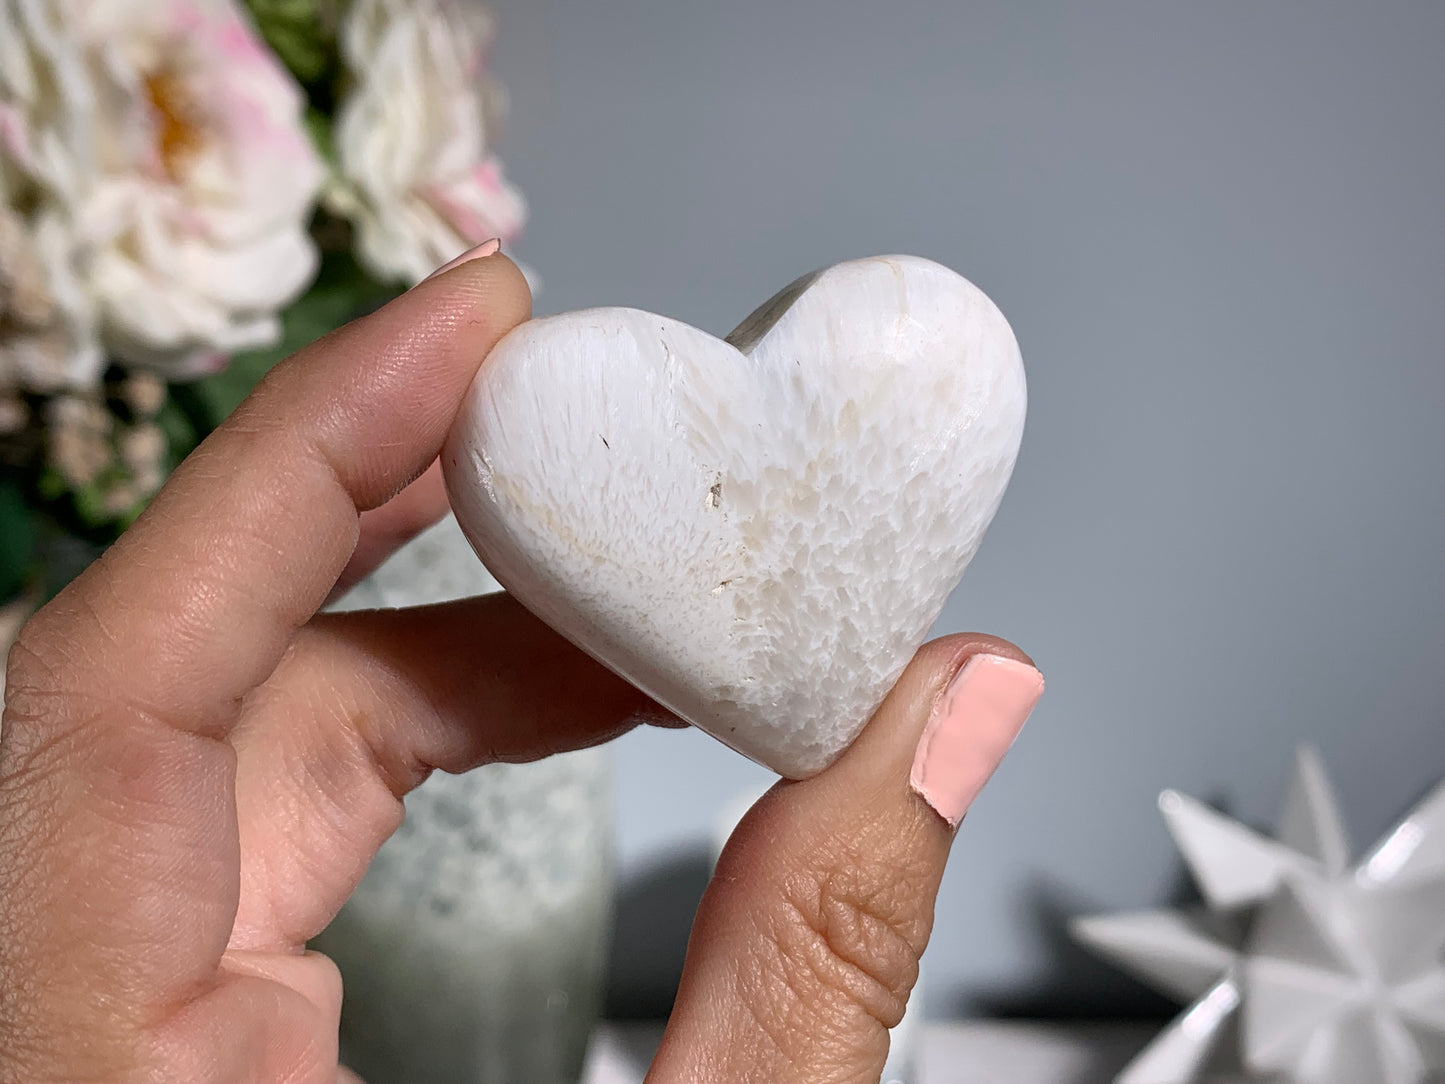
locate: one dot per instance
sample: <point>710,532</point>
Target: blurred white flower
<point>155,152</point>
<point>47,323</point>
<point>417,179</point>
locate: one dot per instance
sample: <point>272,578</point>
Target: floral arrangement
<point>189,191</point>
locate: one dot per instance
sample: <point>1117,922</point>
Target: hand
<point>196,768</point>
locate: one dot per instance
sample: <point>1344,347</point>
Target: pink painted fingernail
<point>973,725</point>
<point>486,248</point>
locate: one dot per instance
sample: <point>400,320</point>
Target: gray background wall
<point>1219,232</point>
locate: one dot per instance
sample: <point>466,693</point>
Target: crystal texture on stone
<point>757,531</point>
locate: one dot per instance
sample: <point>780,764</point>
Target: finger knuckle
<point>33,665</point>
<point>35,724</point>
<point>852,929</point>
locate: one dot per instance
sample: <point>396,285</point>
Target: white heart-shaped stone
<point>757,532</point>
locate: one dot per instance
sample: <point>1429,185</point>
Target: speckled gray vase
<point>473,951</point>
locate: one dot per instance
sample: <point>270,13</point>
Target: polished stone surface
<point>758,531</point>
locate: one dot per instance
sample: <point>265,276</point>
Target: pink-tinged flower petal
<point>165,142</point>
<point>481,205</point>
<point>239,43</point>
<point>417,177</point>
<point>201,363</point>
<point>14,140</point>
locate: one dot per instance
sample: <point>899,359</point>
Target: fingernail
<point>973,725</point>
<point>486,248</point>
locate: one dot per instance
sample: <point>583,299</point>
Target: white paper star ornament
<point>1300,968</point>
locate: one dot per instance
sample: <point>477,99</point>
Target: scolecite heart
<point>757,531</point>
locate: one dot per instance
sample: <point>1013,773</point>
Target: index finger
<point>118,799</point>
<point>194,605</point>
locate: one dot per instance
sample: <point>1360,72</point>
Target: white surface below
<point>976,1052</point>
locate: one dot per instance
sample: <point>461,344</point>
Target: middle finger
<point>362,708</point>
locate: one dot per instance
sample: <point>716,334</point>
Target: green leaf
<point>17,541</point>
<point>342,291</point>
<point>90,503</point>
<point>51,485</point>
<point>63,555</point>
<point>318,127</point>
<point>179,426</point>
<point>295,32</point>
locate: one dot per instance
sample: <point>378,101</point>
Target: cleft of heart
<point>770,523</point>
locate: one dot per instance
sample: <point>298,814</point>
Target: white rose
<point>47,322</point>
<point>156,151</point>
<point>49,337</point>
<point>417,179</point>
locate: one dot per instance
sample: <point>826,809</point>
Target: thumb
<point>806,944</point>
